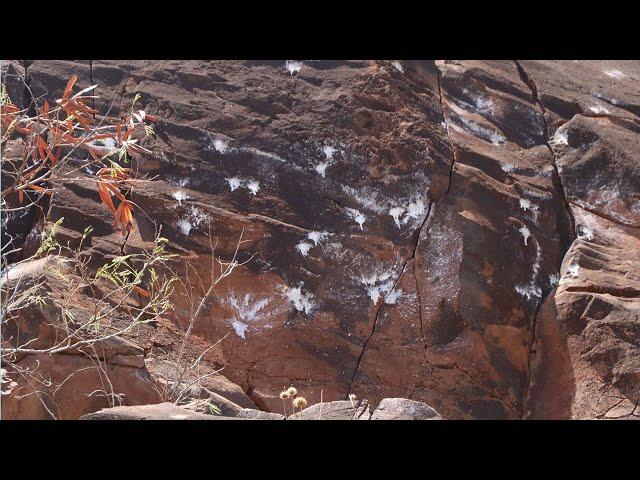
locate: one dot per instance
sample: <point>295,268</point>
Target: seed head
<point>284,395</point>
<point>352,396</point>
<point>292,392</point>
<point>299,402</point>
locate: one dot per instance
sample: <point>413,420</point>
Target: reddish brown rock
<point>586,356</point>
<point>75,381</point>
<point>443,190</point>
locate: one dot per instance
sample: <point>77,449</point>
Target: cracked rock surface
<point>459,233</point>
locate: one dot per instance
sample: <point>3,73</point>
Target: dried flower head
<point>292,391</point>
<point>352,396</point>
<point>299,402</point>
<point>284,395</point>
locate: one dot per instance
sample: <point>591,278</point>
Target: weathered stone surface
<point>336,410</point>
<point>159,411</point>
<point>404,409</point>
<point>586,355</point>
<point>409,223</point>
<point>75,381</point>
<point>253,414</point>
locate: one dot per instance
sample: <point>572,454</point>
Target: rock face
<point>404,409</point>
<point>460,233</point>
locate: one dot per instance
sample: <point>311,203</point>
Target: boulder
<point>160,411</point>
<point>404,409</point>
<point>336,410</point>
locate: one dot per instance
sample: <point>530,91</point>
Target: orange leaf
<point>21,196</point>
<point>106,198</point>
<point>70,84</point>
<point>141,291</point>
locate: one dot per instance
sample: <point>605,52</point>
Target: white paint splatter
<point>234,182</point>
<point>393,296</point>
<point>185,226</point>
<point>321,168</point>
<point>574,269</point>
<point>554,280</point>
<point>253,186</point>
<point>529,291</point>
<point>526,205</point>
<point>246,310</point>
<point>301,301</point>
<point>317,237</point>
<point>559,138</point>
<point>599,110</point>
<point>398,66</point>
<point>239,327</point>
<point>476,129</point>
<point>525,234</point>
<point>415,210</point>
<point>617,74</point>
<point>507,167</point>
<point>304,248</point>
<point>377,283</point>
<point>356,216</point>
<point>180,196</point>
<point>586,232</point>
<point>220,145</point>
<point>329,151</point>
<point>293,66</point>
<point>396,212</point>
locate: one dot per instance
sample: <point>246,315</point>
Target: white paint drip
<point>377,283</point>
<point>180,196</point>
<point>321,168</point>
<point>293,66</point>
<point>526,205</point>
<point>532,289</point>
<point>525,234</point>
<point>317,237</point>
<point>253,186</point>
<point>303,248</point>
<point>234,182</point>
<point>239,327</point>
<point>396,212</point>
<point>356,216</point>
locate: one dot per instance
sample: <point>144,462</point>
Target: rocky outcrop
<point>404,409</point>
<point>461,233</point>
<point>389,409</point>
<point>160,411</point>
<point>587,345</point>
<point>64,383</point>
